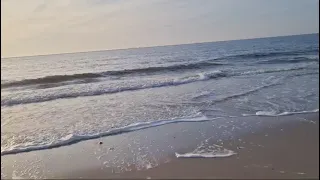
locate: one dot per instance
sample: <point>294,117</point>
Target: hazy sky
<point>30,27</point>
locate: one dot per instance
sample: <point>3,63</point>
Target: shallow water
<point>56,100</point>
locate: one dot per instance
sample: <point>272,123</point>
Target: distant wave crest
<point>271,54</point>
<point>49,95</point>
<point>86,76</point>
<point>290,60</point>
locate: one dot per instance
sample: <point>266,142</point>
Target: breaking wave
<point>25,98</point>
<point>86,76</point>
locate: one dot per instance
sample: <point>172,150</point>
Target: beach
<point>281,147</point>
<point>160,89</point>
<point>233,109</point>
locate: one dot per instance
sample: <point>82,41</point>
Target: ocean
<point>51,101</point>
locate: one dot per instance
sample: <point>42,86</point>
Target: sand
<point>276,147</point>
<point>290,151</point>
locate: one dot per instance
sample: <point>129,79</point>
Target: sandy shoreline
<point>290,151</point>
<point>275,147</point>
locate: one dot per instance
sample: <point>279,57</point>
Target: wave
<point>51,79</point>
<point>86,76</point>
<point>305,74</point>
<point>291,60</point>
<point>26,99</point>
<point>196,65</point>
<point>207,150</point>
<point>15,99</point>
<point>223,99</point>
<point>262,71</point>
<point>270,54</point>
<point>225,73</point>
<point>213,74</point>
<point>274,113</point>
<point>206,155</point>
<point>71,139</point>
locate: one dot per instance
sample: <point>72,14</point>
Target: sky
<point>34,27</point>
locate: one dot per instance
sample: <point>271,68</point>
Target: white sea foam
<point>205,150</point>
<point>94,90</point>
<point>53,94</point>
<point>244,93</point>
<point>72,138</point>
<point>212,74</point>
<point>205,155</point>
<point>261,71</point>
<point>266,113</point>
<point>274,113</point>
<point>14,176</point>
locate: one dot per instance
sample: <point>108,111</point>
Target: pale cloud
<point>30,27</point>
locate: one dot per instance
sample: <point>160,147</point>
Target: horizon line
<point>157,46</point>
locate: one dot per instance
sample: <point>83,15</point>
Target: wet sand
<point>278,147</point>
<point>290,151</point>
